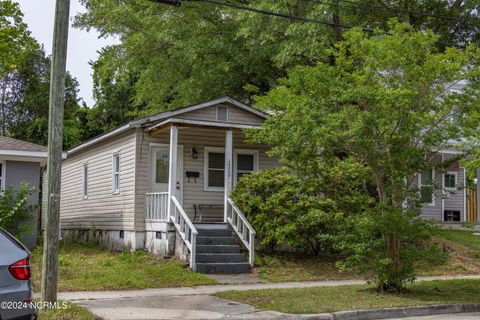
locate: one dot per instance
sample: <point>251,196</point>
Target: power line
<point>281,15</point>
<point>292,17</point>
<point>418,13</point>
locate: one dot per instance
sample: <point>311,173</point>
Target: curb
<point>372,314</point>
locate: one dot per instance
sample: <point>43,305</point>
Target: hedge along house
<point>162,183</point>
<point>21,161</point>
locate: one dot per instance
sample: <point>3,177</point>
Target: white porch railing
<point>242,228</point>
<point>186,229</point>
<point>156,206</point>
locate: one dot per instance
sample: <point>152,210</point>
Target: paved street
<point>459,316</point>
<point>197,302</point>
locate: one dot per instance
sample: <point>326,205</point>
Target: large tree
<point>24,84</point>
<point>173,56</point>
<point>386,100</point>
<point>15,38</point>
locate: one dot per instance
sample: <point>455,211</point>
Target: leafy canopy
<point>174,56</point>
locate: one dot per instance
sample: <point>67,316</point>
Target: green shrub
<point>304,213</point>
<point>15,210</point>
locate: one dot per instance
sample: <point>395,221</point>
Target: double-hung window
<point>116,173</point>
<point>85,181</point>
<point>426,185</point>
<point>245,162</point>
<point>450,180</point>
<point>214,169</point>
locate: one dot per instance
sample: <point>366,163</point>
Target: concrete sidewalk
<point>207,290</point>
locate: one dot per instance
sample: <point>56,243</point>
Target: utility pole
<point>55,142</point>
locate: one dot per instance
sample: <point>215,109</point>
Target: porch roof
<point>198,123</point>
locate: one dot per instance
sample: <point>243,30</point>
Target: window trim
<point>226,113</point>
<point>236,152</point>
<point>114,173</point>
<point>206,187</point>
<point>4,176</point>
<point>456,180</point>
<point>85,181</point>
<point>430,204</point>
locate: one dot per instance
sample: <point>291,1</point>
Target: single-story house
<point>162,183</point>
<point>21,161</point>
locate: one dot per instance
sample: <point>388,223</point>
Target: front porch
<point>191,174</point>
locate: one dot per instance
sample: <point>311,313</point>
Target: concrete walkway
<point>207,290</point>
<point>196,302</point>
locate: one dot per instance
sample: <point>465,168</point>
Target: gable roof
<point>15,147</point>
<point>147,121</point>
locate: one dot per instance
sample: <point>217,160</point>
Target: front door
<point>159,169</point>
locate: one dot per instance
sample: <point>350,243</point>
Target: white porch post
<point>172,172</point>
<point>228,170</point>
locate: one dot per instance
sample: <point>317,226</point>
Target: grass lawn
<point>72,312</point>
<point>88,267</point>
<point>287,267</point>
<point>331,299</point>
<point>463,248</point>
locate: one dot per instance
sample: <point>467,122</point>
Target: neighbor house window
<point>2,176</point>
<point>246,162</point>
<point>214,169</point>
<point>450,180</point>
<point>426,187</point>
<point>161,166</point>
<point>222,113</point>
<point>85,181</point>
<point>116,173</point>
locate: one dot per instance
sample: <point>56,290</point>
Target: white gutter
<point>24,153</point>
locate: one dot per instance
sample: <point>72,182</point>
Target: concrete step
<point>220,257</point>
<point>214,232</point>
<point>224,268</point>
<point>211,226</point>
<point>218,248</point>
<point>216,240</point>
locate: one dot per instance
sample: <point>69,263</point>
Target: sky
<point>82,46</point>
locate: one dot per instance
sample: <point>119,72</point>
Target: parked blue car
<point>15,286</point>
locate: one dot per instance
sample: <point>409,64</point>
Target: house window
<point>450,180</point>
<point>85,181</point>
<point>426,187</point>
<point>116,173</point>
<point>451,215</point>
<point>161,166</point>
<point>246,162</point>
<point>214,169</point>
<point>222,113</point>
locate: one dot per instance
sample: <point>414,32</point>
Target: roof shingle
<point>15,144</point>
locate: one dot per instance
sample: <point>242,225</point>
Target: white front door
<point>159,164</point>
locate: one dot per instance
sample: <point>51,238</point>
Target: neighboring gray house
<point>21,161</point>
<point>448,201</point>
<point>162,183</point>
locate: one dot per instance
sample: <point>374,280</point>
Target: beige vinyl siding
<point>102,209</point>
<point>193,192</point>
<point>235,115</point>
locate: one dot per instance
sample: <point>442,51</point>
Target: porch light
<point>194,153</point>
